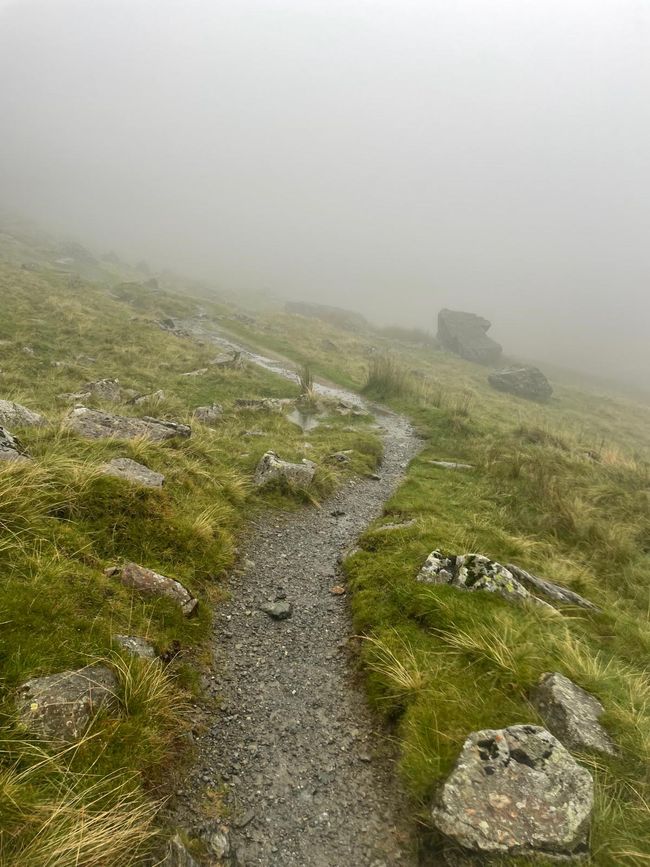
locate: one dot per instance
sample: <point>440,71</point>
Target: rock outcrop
<point>524,381</point>
<point>92,424</point>
<point>516,791</point>
<point>132,471</point>
<point>135,645</point>
<point>151,583</point>
<point>14,415</point>
<point>178,854</point>
<point>209,415</point>
<point>271,468</point>
<point>60,707</point>
<point>548,588</point>
<point>571,714</point>
<point>465,334</point>
<point>10,449</point>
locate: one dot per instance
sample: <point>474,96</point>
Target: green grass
<point>62,522</point>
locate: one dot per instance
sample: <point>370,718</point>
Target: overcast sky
<point>395,156</point>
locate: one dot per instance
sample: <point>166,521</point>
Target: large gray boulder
<point>466,335</point>
<point>10,449</point>
<point>92,424</point>
<point>571,714</point>
<point>151,583</point>
<point>132,471</point>
<point>271,468</point>
<point>14,415</point>
<point>516,791</point>
<point>523,381</point>
<point>60,707</point>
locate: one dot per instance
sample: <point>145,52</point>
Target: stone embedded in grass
<point>281,610</point>
<point>15,415</point>
<point>263,404</point>
<point>271,468</point>
<point>516,791</point>
<point>92,424</point>
<point>548,588</point>
<point>151,583</point>
<point>209,414</point>
<point>451,465</point>
<point>178,854</point>
<point>136,646</point>
<point>571,714</point>
<point>200,372</point>
<point>132,471</point>
<point>60,707</point>
<point>339,457</point>
<point>523,381</point>
<point>151,397</point>
<point>10,449</point>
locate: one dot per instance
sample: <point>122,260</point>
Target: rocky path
<point>309,777</point>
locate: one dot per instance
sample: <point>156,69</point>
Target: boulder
<point>60,707</point>
<point>474,572</point>
<point>178,855</point>
<point>150,583</point>
<point>135,646</point>
<point>571,714</point>
<point>516,792</point>
<point>209,414</point>
<point>548,588</point>
<point>14,415</point>
<point>272,468</point>
<point>132,471</point>
<point>93,424</point>
<point>525,381</point>
<point>466,335</point>
<point>10,449</point>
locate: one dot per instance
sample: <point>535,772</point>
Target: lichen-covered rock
<point>92,424</point>
<point>272,468</point>
<point>178,855</point>
<point>151,583</point>
<point>132,471</point>
<point>60,707</point>
<point>523,381</point>
<point>14,415</point>
<point>209,414</point>
<point>473,572</point>
<point>550,589</point>
<point>516,791</point>
<point>136,646</point>
<point>465,334</point>
<point>571,714</point>
<point>10,449</point>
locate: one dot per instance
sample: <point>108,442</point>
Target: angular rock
<point>14,415</point>
<point>272,468</point>
<point>92,424</point>
<point>525,381</point>
<point>135,646</point>
<point>343,407</point>
<point>178,854</point>
<point>209,414</point>
<point>516,791</point>
<point>465,334</point>
<point>548,588</point>
<point>571,714</point>
<point>150,583</point>
<point>152,397</point>
<point>10,449</point>
<point>234,361</point>
<point>278,610</point>
<point>132,471</point>
<point>473,572</point>
<point>103,389</point>
<point>60,707</point>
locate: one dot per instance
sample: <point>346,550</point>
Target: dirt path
<point>310,779</point>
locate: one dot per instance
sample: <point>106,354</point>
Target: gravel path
<point>310,778</point>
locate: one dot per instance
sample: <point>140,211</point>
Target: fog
<point>393,156</point>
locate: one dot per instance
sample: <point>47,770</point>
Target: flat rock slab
<point>451,465</point>
<point>271,468</point>
<point>14,415</point>
<point>132,471</point>
<point>10,449</point>
<point>136,646</point>
<point>571,714</point>
<point>516,791</point>
<point>92,424</point>
<point>151,583</point>
<point>60,707</point>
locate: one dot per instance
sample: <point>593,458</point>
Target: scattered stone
<point>339,458</point>
<point>337,590</point>
<point>233,361</point>
<point>209,414</point>
<point>135,646</point>
<point>104,389</point>
<point>548,588</point>
<point>525,381</point>
<point>516,791</point>
<point>10,449</point>
<point>571,714</point>
<point>178,854</point>
<point>93,424</point>
<point>451,465</point>
<point>264,404</point>
<point>150,583</point>
<point>152,397</point>
<point>281,610</point>
<point>14,415</point>
<point>60,707</point>
<point>200,372</point>
<point>465,334</point>
<point>272,468</point>
<point>132,471</point>
<point>402,525</point>
<point>344,407</point>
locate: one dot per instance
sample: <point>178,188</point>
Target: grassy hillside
<point>62,522</point>
<point>563,490</point>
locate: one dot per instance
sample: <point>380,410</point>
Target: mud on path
<point>310,777</point>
